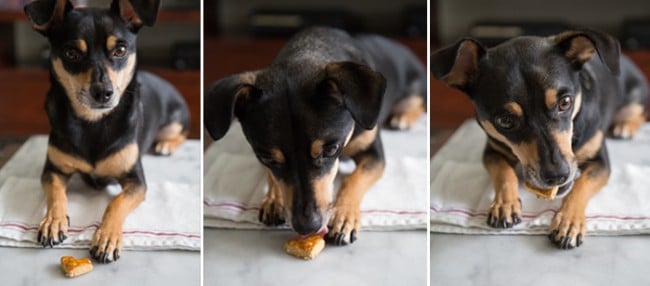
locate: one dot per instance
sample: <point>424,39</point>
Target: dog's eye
<point>331,150</point>
<point>506,122</point>
<point>119,51</point>
<point>564,103</point>
<point>266,160</point>
<point>72,54</point>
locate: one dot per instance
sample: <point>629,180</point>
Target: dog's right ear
<point>44,14</point>
<point>457,65</point>
<point>221,99</point>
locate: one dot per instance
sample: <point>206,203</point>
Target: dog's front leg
<point>505,210</point>
<point>346,219</point>
<point>53,228</point>
<point>106,245</point>
<point>272,209</point>
<point>568,226</point>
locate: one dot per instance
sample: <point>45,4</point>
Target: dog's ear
<point>221,99</point>
<point>137,12</point>
<point>458,65</point>
<point>579,47</point>
<point>359,88</point>
<point>44,14</point>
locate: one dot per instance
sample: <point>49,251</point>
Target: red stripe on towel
<point>96,225</point>
<point>242,207</point>
<point>467,213</point>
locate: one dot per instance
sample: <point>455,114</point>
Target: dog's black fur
<point>103,114</point>
<point>545,104</point>
<point>319,100</point>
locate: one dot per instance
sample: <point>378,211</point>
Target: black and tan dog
<point>546,104</point>
<point>103,114</point>
<point>320,100</point>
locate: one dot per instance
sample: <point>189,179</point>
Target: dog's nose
<point>307,224</point>
<point>557,175</point>
<point>102,93</point>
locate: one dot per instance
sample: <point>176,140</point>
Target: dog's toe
<point>504,214</point>
<point>344,226</point>
<point>567,229</point>
<point>271,213</point>
<point>107,244</point>
<point>53,229</point>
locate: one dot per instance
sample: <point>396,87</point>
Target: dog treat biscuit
<point>548,194</point>
<point>73,267</point>
<point>305,248</point>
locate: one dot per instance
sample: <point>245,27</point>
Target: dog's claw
<point>353,236</point>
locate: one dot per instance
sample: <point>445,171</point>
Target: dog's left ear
<point>137,12</point>
<point>359,88</point>
<point>579,47</point>
<point>44,14</point>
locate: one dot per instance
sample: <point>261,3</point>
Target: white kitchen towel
<point>235,183</point>
<point>461,190</point>
<point>169,217</point>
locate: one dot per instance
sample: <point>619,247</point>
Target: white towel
<point>235,184</point>
<point>461,190</point>
<point>169,217</point>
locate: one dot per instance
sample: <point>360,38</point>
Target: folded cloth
<point>461,190</point>
<point>167,219</point>
<point>235,184</point>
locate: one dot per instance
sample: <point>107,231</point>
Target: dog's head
<point>93,51</point>
<point>527,92</point>
<point>297,121</point>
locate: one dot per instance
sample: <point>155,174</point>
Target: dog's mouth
<point>552,192</point>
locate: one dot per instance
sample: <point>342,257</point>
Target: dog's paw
<point>626,129</point>
<point>106,245</point>
<point>164,148</point>
<point>567,228</point>
<point>504,214</point>
<point>406,113</point>
<point>344,225</point>
<point>53,228</point>
<point>271,212</point>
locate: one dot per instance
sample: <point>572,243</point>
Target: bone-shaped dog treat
<point>73,267</point>
<point>305,248</point>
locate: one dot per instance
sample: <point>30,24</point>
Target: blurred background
<point>493,21</point>
<point>170,49</point>
<point>246,35</point>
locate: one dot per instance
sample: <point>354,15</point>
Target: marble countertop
<point>256,257</point>
<point>531,260</point>
<point>35,266</point>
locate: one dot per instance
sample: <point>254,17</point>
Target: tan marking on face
<point>111,42</point>
<point>82,45</point>
<point>316,148</point>
<point>590,148</point>
<point>563,141</point>
<point>550,97</point>
<point>514,108</point>
<point>68,164</point>
<point>119,162</point>
<point>577,105</point>
<point>526,152</point>
<point>323,187</point>
<point>277,155</point>
<point>361,142</point>
<point>120,79</point>
<point>76,88</point>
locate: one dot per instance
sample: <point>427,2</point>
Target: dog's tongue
<point>322,232</point>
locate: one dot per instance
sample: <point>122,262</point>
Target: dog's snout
<point>555,175</point>
<point>307,224</point>
<point>101,92</point>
